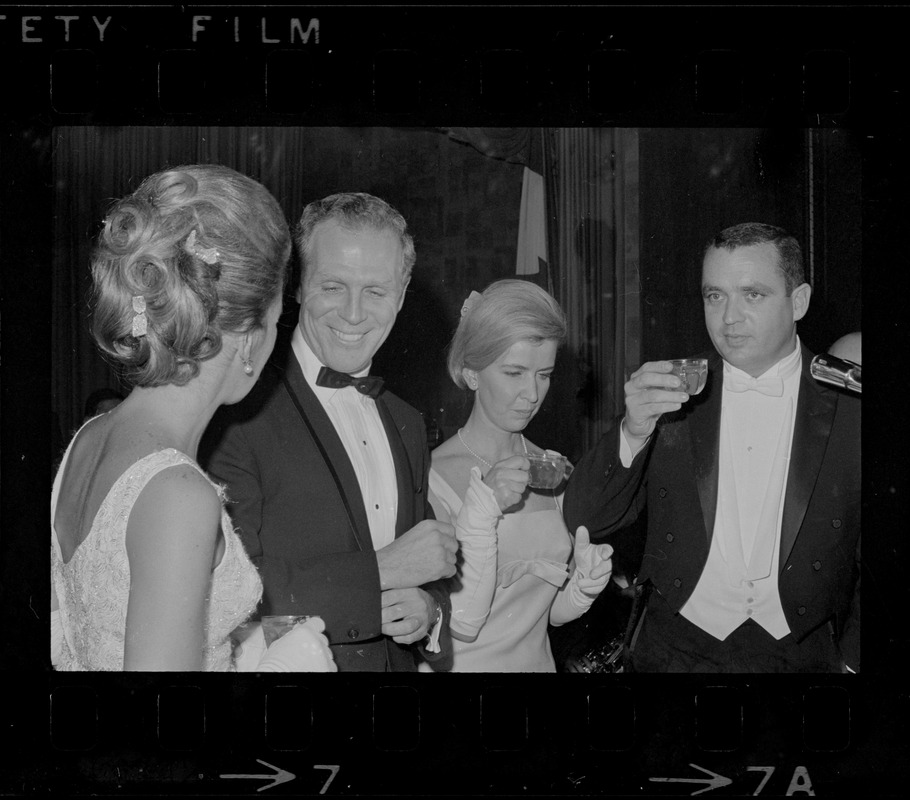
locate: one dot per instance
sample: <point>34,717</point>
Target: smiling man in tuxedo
<point>752,487</point>
<point>326,471</point>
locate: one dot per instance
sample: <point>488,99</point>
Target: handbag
<point>613,655</point>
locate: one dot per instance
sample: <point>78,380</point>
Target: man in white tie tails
<point>752,487</point>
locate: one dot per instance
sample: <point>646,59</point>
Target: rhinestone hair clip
<point>140,320</point>
<point>209,255</point>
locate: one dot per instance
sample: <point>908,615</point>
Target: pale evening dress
<point>93,587</point>
<point>532,557</point>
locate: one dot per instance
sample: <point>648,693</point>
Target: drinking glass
<point>274,626</point>
<point>693,372</point>
<point>547,470</point>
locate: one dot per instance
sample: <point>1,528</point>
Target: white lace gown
<point>531,565</point>
<point>93,587</point>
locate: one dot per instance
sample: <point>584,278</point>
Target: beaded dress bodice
<point>93,587</point>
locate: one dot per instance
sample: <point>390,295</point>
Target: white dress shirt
<point>359,426</point>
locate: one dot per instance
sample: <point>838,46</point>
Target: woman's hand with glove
<point>593,567</point>
<point>593,564</point>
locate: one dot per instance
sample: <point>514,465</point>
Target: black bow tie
<point>369,385</point>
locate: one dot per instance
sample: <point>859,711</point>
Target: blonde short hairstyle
<point>225,282</point>
<point>506,312</point>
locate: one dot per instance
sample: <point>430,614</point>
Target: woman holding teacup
<point>520,569</point>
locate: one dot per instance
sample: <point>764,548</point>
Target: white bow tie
<point>772,385</point>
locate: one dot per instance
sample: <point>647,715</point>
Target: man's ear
<point>800,298</point>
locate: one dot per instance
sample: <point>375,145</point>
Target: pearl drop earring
<point>247,366</point>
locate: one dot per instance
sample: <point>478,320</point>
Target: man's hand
<point>649,394</point>
<point>406,614</point>
<point>421,555</point>
<point>509,479</point>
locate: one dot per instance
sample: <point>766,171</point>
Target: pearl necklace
<point>483,460</point>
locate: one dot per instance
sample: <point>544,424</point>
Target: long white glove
<point>593,567</point>
<point>304,648</point>
<point>475,529</point>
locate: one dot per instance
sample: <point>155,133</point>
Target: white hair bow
<point>472,298</point>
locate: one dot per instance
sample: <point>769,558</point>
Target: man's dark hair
<point>750,233</point>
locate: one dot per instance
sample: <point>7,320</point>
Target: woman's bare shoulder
<point>453,464</point>
<point>185,486</point>
<point>178,509</point>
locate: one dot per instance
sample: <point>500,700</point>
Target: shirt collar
<point>784,369</point>
<point>310,366</point>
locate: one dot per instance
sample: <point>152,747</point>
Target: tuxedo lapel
<point>403,472</point>
<point>815,409</point>
<point>331,449</point>
<point>704,428</point>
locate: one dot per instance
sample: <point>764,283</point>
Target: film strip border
<point>463,734</point>
<point>448,735</point>
<point>501,65</point>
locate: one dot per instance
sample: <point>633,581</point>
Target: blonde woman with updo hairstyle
<point>147,572</point>
<point>519,567</point>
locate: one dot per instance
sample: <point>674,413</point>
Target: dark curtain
<point>93,166</point>
<point>461,206</point>
<point>460,190</point>
<point>516,145</point>
<point>596,257</point>
<point>591,185</point>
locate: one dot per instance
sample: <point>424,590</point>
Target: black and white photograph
<point>336,386</point>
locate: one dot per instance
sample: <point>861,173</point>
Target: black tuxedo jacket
<point>678,477</point>
<point>297,506</point>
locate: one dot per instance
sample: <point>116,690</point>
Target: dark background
<point>695,182</point>
<point>463,208</point>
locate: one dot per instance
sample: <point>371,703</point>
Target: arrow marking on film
<point>714,782</point>
<point>280,776</point>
